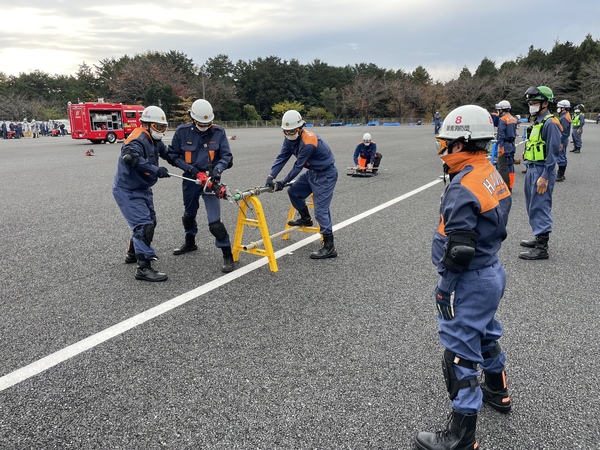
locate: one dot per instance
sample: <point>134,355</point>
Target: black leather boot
<point>458,435</point>
<point>130,254</point>
<point>529,243</point>
<point>560,176</point>
<point>327,250</point>
<point>189,246</point>
<point>539,250</point>
<point>228,263</point>
<point>495,392</point>
<point>304,221</point>
<point>145,271</point>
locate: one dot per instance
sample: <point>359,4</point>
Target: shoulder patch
<point>308,137</point>
<point>486,183</point>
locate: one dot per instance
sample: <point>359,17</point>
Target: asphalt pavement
<point>331,354</point>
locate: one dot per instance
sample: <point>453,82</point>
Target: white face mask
<point>367,143</point>
<point>156,135</point>
<point>293,137</point>
<point>534,109</point>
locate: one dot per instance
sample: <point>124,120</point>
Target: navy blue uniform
<point>132,187</point>
<point>196,151</point>
<point>313,154</point>
<point>476,200</point>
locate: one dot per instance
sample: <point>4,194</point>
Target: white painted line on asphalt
<point>77,348</point>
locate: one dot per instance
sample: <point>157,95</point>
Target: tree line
<point>261,89</point>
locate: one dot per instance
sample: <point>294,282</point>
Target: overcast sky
<point>56,36</point>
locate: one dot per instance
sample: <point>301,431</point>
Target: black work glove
<point>279,185</point>
<point>216,176</point>
<point>270,183</point>
<point>163,172</point>
<point>193,170</point>
<point>445,303</point>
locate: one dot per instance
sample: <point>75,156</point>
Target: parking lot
<point>323,354</point>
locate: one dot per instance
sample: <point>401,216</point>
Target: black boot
<point>228,264</point>
<point>495,392</point>
<point>458,435</point>
<point>327,250</point>
<point>189,246</point>
<point>130,254</point>
<point>577,150</point>
<point>539,250</point>
<point>529,243</point>
<point>304,221</point>
<point>146,272</point>
<point>560,176</point>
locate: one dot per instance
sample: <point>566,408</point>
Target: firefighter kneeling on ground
<point>366,155</point>
<point>473,216</point>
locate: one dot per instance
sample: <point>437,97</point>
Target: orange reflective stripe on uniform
<point>135,134</point>
<point>188,156</point>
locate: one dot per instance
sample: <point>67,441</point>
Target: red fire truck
<point>103,122</point>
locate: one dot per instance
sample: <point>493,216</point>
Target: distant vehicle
<point>103,122</point>
<point>336,124</point>
<point>66,123</point>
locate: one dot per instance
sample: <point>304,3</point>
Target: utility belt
<point>322,170</point>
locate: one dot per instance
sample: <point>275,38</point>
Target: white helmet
<point>153,114</point>
<point>291,120</point>
<point>564,104</point>
<point>367,139</point>
<point>202,111</point>
<point>467,123</point>
<point>504,104</point>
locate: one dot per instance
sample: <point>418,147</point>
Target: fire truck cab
<point>103,122</point>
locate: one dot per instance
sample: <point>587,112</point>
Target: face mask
<point>577,111</point>
<point>534,109</point>
<point>367,143</point>
<point>293,137</point>
<point>156,135</point>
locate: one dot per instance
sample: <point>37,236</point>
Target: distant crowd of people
<point>32,129</point>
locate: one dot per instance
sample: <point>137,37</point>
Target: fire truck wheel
<point>111,138</point>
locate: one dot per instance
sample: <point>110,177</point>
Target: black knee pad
<point>218,230</point>
<point>491,353</point>
<point>188,222</point>
<point>144,233</point>
<point>453,385</point>
<point>377,160</point>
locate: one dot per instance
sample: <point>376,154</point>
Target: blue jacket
<point>146,151</point>
<point>477,199</point>
<point>311,152</point>
<point>192,147</point>
<point>365,151</point>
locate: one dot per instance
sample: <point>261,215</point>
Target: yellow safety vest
<point>576,120</point>
<point>535,147</point>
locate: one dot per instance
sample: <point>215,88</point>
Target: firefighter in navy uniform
<point>366,155</point>
<point>473,216</point>
<point>507,132</point>
<point>564,116</point>
<point>201,150</point>
<point>541,153</point>
<point>312,153</point>
<point>137,172</point>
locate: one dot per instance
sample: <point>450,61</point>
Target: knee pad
<point>218,230</point>
<point>188,222</point>
<point>453,385</point>
<point>493,352</point>
<point>377,160</point>
<point>144,233</point>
